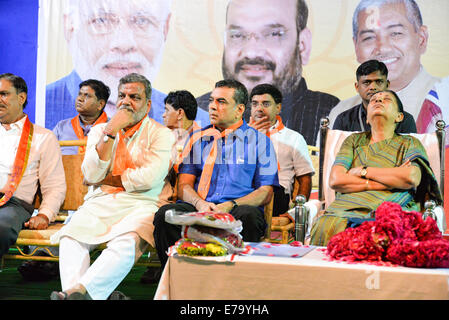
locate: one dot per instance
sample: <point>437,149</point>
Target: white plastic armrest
<point>441,218</point>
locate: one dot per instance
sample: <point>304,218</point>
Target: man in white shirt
<point>126,162</point>
<point>30,154</point>
<point>392,31</point>
<point>291,149</point>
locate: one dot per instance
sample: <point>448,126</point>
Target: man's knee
<point>8,236</point>
<point>159,216</point>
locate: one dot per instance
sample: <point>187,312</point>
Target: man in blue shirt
<point>239,181</point>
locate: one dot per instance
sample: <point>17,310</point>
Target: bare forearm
<point>305,185</point>
<point>188,194</point>
<point>356,184</point>
<point>346,181</point>
<point>396,178</point>
<point>258,197</point>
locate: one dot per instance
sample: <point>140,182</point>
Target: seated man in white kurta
<point>125,164</point>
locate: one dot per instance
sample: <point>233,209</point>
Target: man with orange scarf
<point>90,102</point>
<point>290,146</point>
<point>125,164</point>
<point>30,155</point>
<point>227,167</point>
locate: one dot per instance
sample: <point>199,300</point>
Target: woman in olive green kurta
<point>373,167</point>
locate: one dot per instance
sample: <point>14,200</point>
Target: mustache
<point>269,65</point>
<point>126,107</point>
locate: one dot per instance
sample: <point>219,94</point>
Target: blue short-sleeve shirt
<point>246,160</point>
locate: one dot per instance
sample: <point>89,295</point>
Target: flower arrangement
<point>194,248</point>
<point>396,236</point>
<point>206,234</point>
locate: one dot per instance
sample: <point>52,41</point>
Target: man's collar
<point>18,124</point>
<point>238,132</point>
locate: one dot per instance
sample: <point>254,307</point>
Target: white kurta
<point>104,216</point>
<point>293,156</point>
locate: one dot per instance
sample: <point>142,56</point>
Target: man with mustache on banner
<point>107,40</point>
<point>30,155</point>
<point>227,167</point>
<point>267,41</point>
<point>125,164</point>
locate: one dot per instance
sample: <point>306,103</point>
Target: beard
<point>123,65</point>
<point>286,80</point>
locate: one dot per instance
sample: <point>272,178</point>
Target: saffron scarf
<point>206,174</point>
<point>279,126</point>
<point>79,131</point>
<point>20,162</point>
<point>179,156</point>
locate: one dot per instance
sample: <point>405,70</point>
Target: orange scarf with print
<point>206,175</point>
<point>79,131</point>
<point>20,162</point>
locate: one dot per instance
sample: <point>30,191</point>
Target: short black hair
<point>102,91</point>
<point>266,88</point>
<point>18,83</point>
<point>371,66</point>
<point>240,91</point>
<point>183,99</point>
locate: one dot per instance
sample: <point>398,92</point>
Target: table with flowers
<point>400,255</point>
<point>313,276</point>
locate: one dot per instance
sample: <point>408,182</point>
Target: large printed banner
<point>309,49</point>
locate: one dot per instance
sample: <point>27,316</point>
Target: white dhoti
<point>105,274</point>
<point>123,220</point>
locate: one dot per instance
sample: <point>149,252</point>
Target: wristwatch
<point>107,137</point>
<point>234,204</point>
<point>363,172</point>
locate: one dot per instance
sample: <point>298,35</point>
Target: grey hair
<point>135,77</point>
<point>411,7</point>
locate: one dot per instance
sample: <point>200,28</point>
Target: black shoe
<point>62,295</point>
<point>151,276</point>
<point>38,270</point>
<point>118,295</point>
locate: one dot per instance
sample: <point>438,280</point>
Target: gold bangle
<point>367,184</point>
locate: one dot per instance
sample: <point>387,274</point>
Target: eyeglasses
<point>269,36</point>
<point>265,104</point>
<point>107,23</point>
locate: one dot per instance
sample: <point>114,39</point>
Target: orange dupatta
<point>122,158</point>
<point>278,128</point>
<point>20,162</point>
<point>79,131</point>
<point>206,174</point>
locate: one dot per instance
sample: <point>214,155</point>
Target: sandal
<point>58,295</point>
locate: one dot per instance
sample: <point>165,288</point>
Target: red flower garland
<point>396,236</point>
